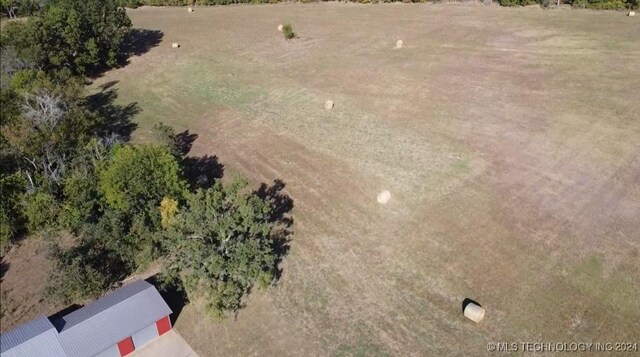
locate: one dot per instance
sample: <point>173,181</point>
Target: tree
<point>51,127</point>
<point>12,220</point>
<point>140,176</point>
<point>82,35</point>
<point>86,269</point>
<point>81,200</point>
<point>42,211</point>
<point>221,244</point>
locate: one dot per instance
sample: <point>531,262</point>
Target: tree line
<point>591,4</point>
<point>15,8</point>
<point>108,207</point>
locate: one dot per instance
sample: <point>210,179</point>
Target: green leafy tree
<point>12,220</point>
<point>81,200</point>
<point>82,35</point>
<point>140,176</point>
<point>86,269</point>
<point>166,136</point>
<point>42,211</point>
<point>221,245</point>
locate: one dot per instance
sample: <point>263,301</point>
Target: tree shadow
<point>4,267</point>
<point>173,294</point>
<point>468,301</point>
<point>201,172</point>
<point>114,118</point>
<point>280,215</point>
<point>57,319</point>
<point>138,42</point>
<point>184,142</point>
<point>281,204</point>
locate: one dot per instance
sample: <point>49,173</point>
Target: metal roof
<point>37,337</point>
<point>110,319</point>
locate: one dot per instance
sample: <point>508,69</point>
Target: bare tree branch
<point>44,109</point>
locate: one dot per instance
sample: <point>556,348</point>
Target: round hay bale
<point>190,9</point>
<point>328,105</point>
<point>399,44</point>
<point>474,312</point>
<point>280,27</point>
<point>632,13</point>
<point>384,197</point>
<point>175,45</point>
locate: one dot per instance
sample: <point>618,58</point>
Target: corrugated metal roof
<point>110,319</point>
<point>37,337</point>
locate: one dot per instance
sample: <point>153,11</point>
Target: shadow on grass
<point>201,172</point>
<point>184,142</point>
<point>280,216</point>
<point>174,295</point>
<point>138,42</point>
<point>114,118</point>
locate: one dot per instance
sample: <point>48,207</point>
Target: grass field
<point>509,139</point>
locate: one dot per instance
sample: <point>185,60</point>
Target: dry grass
<point>509,138</point>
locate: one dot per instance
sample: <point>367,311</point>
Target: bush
<point>601,4</point>
<point>287,32</point>
<point>42,211</point>
<point>128,3</point>
<point>11,219</point>
<point>83,271</point>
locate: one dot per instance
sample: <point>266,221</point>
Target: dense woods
<point>69,170</point>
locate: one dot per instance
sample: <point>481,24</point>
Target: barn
<point>112,326</point>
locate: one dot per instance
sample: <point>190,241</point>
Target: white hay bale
<point>280,27</point>
<point>632,13</point>
<point>190,9</point>
<point>399,44</point>
<point>474,312</point>
<point>175,45</point>
<point>328,105</point>
<point>384,197</point>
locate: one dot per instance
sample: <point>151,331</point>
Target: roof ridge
<point>139,292</point>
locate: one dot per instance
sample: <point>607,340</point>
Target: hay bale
<point>474,312</point>
<point>399,44</point>
<point>280,27</point>
<point>328,105</point>
<point>190,9</point>
<point>632,13</point>
<point>384,197</point>
<point>175,45</point>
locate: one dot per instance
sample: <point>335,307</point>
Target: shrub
<point>11,218</point>
<point>287,32</point>
<point>85,270</point>
<point>128,3</point>
<point>42,211</point>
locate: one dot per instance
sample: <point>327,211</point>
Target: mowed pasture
<point>508,138</point>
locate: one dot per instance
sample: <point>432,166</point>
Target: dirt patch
<point>25,273</point>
